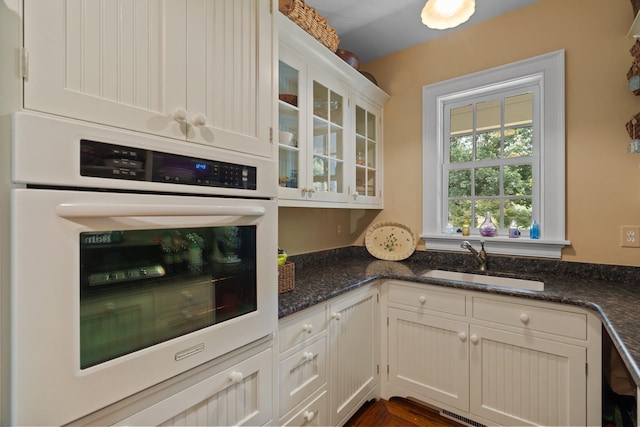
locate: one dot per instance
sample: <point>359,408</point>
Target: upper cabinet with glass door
<point>368,154</point>
<point>195,70</point>
<point>337,117</point>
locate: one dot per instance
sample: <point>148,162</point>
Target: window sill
<point>499,245</point>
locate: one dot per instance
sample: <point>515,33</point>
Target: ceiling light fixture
<point>443,14</point>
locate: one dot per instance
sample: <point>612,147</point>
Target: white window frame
<point>547,71</point>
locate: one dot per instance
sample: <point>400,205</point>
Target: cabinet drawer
<point>313,414</point>
<point>301,327</point>
<point>302,373</point>
<point>557,322</point>
<point>427,298</point>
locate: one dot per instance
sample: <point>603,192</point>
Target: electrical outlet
<point>339,230</point>
<point>630,236</point>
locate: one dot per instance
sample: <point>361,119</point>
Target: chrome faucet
<point>480,257</point>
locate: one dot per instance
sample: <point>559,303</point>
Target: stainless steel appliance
<point>136,258</point>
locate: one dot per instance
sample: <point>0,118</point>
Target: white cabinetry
<point>329,359</point>
<point>235,389</point>
<point>354,353</point>
<point>334,158</point>
<point>194,70</point>
<point>493,359</point>
<point>303,368</point>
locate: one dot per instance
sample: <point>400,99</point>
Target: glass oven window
<point>140,288</point>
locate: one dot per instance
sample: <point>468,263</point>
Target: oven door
<point>115,292</point>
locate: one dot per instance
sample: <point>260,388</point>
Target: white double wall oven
<point>135,258</point>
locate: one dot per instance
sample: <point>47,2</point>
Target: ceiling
<point>375,28</point>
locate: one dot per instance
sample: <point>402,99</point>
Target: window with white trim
<point>494,142</point>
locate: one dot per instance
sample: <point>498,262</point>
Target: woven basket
<point>633,127</point>
<point>286,277</point>
<point>309,20</point>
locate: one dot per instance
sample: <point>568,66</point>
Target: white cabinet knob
<point>422,299</point>
<point>308,328</point>
<point>309,416</point>
<point>236,377</point>
<point>179,114</point>
<point>474,339</point>
<point>524,318</point>
<point>462,336</point>
<point>311,190</point>
<point>307,356</point>
<point>198,120</point>
<point>335,316</point>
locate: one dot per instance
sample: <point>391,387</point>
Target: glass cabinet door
<point>289,154</point>
<point>328,141</point>
<point>366,153</point>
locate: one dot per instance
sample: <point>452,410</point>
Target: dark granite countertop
<point>611,292</point>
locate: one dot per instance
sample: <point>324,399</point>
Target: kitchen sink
<point>482,279</point>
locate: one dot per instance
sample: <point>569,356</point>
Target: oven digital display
<point>101,160</point>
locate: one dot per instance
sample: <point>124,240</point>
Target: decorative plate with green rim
<point>390,241</point>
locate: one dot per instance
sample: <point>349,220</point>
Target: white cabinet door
<point>240,395</point>
<point>365,186</point>
<point>111,62</point>
<point>229,65</point>
<point>196,70</point>
<point>354,353</point>
<point>523,380</point>
<point>429,356</point>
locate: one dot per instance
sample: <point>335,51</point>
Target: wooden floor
<point>398,412</point>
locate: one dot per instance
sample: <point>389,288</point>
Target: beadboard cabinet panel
<point>193,70</point>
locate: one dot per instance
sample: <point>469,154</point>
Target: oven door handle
<point>85,210</point>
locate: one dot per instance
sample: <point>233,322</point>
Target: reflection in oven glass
<point>140,288</point>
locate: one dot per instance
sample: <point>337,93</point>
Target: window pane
<point>335,142</point>
<point>459,211</point>
<point>518,109</point>
<point>460,183</point>
<point>320,101</point>
<point>361,125</point>
<point>371,126</point>
<point>518,210</point>
<point>488,145</point>
<point>488,115</point>
<point>461,120</point>
<point>518,142</point>
<point>461,149</point>
<point>487,181</point>
<point>336,108</point>
<point>518,180</point>
<point>320,137</point>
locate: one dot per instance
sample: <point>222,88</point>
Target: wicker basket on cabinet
<point>309,20</point>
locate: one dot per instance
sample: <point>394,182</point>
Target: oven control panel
<point>102,160</point>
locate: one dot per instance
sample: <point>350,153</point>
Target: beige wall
<point>603,181</point>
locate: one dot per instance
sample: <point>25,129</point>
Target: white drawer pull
<point>308,328</point>
<point>422,299</point>
<point>462,336</point>
<point>236,377</point>
<point>524,318</point>
<point>309,416</point>
<point>307,356</point>
<point>335,316</point>
<point>474,339</point>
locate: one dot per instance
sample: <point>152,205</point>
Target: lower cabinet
<point>329,360</point>
<point>235,389</point>
<point>493,359</point>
